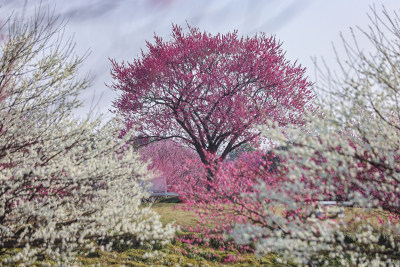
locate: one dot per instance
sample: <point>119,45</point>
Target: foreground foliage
<point>64,184</point>
<point>192,248</point>
<point>349,151</point>
<point>189,247</point>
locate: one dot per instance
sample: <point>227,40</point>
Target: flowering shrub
<point>65,185</point>
<point>219,203</point>
<point>350,151</point>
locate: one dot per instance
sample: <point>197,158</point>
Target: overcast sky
<point>118,29</point>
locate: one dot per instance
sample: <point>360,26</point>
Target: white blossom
<point>63,182</point>
<point>356,128</point>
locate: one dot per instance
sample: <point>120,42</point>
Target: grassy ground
<point>171,212</point>
<point>182,254</point>
<point>176,253</point>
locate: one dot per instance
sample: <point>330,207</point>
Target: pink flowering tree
<point>219,202</point>
<point>209,92</point>
<point>171,162</point>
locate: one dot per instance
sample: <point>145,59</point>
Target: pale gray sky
<point>118,29</point>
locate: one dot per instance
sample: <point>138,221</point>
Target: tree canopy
<point>209,91</point>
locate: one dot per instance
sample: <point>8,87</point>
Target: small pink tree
<point>219,203</point>
<point>209,92</point>
<point>172,162</point>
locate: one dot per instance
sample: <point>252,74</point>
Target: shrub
<point>64,183</point>
<point>350,150</point>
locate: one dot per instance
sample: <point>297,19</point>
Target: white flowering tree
<point>65,185</point>
<point>349,151</point>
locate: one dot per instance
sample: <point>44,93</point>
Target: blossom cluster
<point>208,92</point>
<point>66,185</point>
<point>348,150</point>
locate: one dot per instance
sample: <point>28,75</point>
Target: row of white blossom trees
<point>66,185</point>
<point>349,150</point>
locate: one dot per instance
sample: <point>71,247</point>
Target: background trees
<point>63,182</point>
<point>172,163</point>
<point>350,151</point>
<point>208,92</point>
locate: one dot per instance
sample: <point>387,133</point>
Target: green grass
<point>171,212</point>
<point>175,254</point>
<point>181,254</point>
